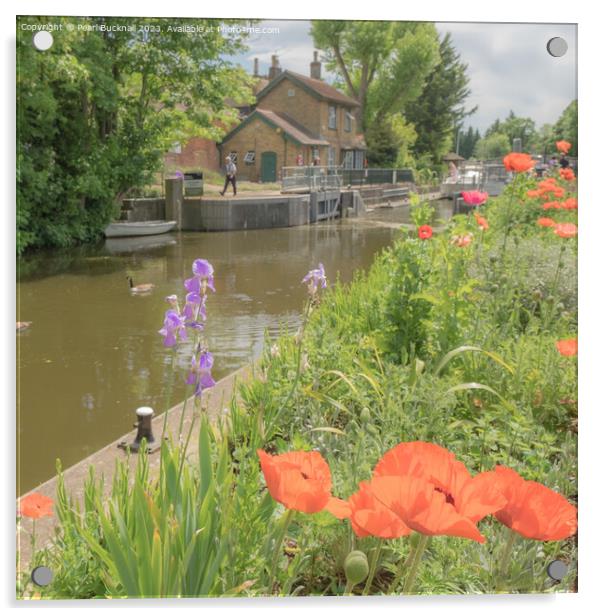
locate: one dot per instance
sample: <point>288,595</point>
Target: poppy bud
<point>356,567</point>
<point>365,415</point>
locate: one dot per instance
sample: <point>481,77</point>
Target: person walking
<point>230,176</point>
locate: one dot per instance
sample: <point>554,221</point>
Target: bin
<point>193,184</point>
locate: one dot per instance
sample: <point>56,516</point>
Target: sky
<point>508,65</point>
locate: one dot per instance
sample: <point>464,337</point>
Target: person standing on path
<point>230,176</point>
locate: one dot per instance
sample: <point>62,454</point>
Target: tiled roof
<point>291,127</point>
<point>317,86</point>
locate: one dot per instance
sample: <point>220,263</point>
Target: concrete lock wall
<point>141,210</point>
<point>241,213</point>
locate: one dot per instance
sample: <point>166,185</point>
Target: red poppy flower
<point>533,194</point>
<point>482,222</point>
<point>425,232</point>
<point>563,146</point>
<point>474,197</point>
<point>558,192</point>
<point>369,517</point>
<point>567,347</point>
<point>36,506</point>
<point>565,229</point>
<point>458,500</point>
<point>300,480</point>
<point>569,204</point>
<point>546,222</point>
<point>518,162</point>
<point>533,510</point>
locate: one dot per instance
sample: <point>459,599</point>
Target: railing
<point>326,178</point>
<point>361,177</point>
<point>310,178</point>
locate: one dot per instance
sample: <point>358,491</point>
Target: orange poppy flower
<point>461,240</point>
<point>518,162</point>
<point>551,205</point>
<point>533,194</point>
<point>369,517</point>
<point>563,146</point>
<point>565,229</point>
<point>482,222</point>
<point>546,222</point>
<point>558,192</point>
<point>465,499</point>
<point>567,347</point>
<point>569,204</point>
<point>300,480</point>
<point>567,174</point>
<point>36,506</point>
<point>533,510</point>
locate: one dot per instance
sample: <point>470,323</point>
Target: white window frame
<point>332,152</point>
<point>291,91</point>
<point>250,157</point>
<point>349,159</point>
<point>348,122</point>
<point>332,117</point>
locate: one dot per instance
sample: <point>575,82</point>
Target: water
<point>93,355</point>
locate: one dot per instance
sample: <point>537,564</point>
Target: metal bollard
<point>145,431</point>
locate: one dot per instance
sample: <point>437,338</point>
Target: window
<point>348,160</point>
<point>332,116</point>
<point>233,156</point>
<point>348,120</point>
<point>176,147</point>
<point>291,92</point>
<point>358,162</point>
<point>250,157</point>
<point>331,156</point>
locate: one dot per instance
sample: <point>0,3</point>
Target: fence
<point>325,178</point>
<point>310,178</point>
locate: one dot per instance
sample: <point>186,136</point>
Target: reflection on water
<point>93,354</point>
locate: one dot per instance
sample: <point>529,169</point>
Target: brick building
<point>296,121</point>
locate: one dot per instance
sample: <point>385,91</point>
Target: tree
<point>515,127</point>
<point>468,142</point>
<point>494,145</point>
<point>382,65</point>
<point>439,109</point>
<point>566,128</point>
<point>97,111</point>
<point>390,142</point>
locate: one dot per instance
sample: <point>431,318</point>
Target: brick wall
<point>302,107</point>
<point>197,153</point>
<point>260,137</point>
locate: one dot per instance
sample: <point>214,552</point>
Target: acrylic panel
<point>327,271</point>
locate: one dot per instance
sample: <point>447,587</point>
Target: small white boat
<point>131,229</point>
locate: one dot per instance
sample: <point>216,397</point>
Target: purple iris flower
<point>173,326</point>
<point>315,279</point>
<point>203,277</point>
<point>200,373</point>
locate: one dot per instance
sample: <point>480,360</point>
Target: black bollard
<point>145,431</point>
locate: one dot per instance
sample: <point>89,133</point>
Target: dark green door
<point>268,166</point>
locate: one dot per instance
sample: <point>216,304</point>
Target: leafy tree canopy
<point>494,145</point>
<point>96,112</point>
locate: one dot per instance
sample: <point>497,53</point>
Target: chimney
<point>256,67</point>
<point>315,68</point>
<point>275,69</point>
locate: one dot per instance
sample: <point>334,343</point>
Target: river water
<point>92,354</point>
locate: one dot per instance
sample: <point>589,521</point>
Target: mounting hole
<point>557,47</point>
<point>557,569</point>
<point>43,40</point>
<point>42,576</point>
